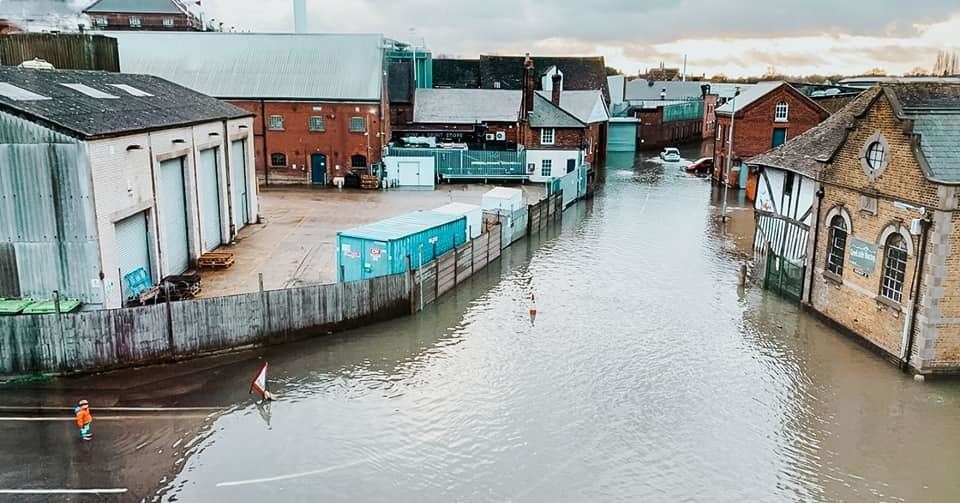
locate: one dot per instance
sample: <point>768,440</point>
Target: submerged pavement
<point>648,375</point>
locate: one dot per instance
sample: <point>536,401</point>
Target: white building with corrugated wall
<point>104,174</point>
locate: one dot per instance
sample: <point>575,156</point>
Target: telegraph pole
<point>729,161</point>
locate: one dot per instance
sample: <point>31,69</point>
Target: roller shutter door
<point>238,182</point>
<point>622,137</point>
<point>209,190</point>
<point>173,217</point>
<point>133,246</point>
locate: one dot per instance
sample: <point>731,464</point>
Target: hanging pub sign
<point>863,257</point>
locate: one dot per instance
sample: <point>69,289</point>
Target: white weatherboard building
<point>102,174</point>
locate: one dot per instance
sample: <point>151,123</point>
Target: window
<point>875,155</point>
<point>496,84</point>
<point>719,133</point>
<point>100,21</point>
<point>134,22</point>
<point>358,161</point>
<point>837,244</point>
<point>168,22</point>
<point>276,122</point>
<point>278,160</point>
<point>91,92</point>
<point>788,183</point>
<point>779,136</point>
<point>546,166</point>
<point>781,111</point>
<point>571,165</point>
<point>316,123</point>
<point>546,136</point>
<point>894,267</point>
<point>358,124</point>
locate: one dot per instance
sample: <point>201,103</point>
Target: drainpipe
<point>263,140</point>
<point>816,236</point>
<point>917,279</point>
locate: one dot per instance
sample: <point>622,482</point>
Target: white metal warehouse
<point>102,174</point>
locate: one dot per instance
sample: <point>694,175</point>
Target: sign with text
<point>863,256</point>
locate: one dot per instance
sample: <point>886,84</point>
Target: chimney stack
<point>529,85</point>
<point>556,88</point>
<point>300,16</point>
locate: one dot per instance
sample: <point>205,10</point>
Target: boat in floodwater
<point>670,154</point>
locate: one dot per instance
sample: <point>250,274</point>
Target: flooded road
<point>647,376</point>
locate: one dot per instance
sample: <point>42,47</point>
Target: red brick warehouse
<point>319,99</point>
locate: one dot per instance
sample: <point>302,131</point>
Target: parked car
<point>670,154</point>
<point>701,166</point>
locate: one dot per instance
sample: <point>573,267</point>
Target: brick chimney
<point>529,85</point>
<point>557,86</point>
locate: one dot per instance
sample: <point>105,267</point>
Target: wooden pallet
<point>216,260</point>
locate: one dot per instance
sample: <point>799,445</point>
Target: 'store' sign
<point>863,256</point>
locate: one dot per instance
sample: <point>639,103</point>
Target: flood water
<point>648,375</point>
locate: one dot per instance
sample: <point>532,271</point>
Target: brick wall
<point>654,133</point>
<point>709,117</point>
<point>564,138</point>
<point>297,142</point>
<point>151,22</point>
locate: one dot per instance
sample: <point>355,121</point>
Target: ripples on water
<point>648,375</point>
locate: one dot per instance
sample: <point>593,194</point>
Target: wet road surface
<point>648,375</point>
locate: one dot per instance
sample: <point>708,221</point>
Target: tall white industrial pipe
<point>300,16</point>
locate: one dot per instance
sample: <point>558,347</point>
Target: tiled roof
<point>260,65</point>
<point>579,74</point>
<point>748,95</point>
<point>807,152</point>
<point>934,108</point>
<point>587,106</point>
<point>546,114</point>
<point>456,73</point>
<point>136,7</point>
<point>130,103</point>
<point>466,106</point>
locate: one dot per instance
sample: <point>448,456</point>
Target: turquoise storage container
<point>381,248</point>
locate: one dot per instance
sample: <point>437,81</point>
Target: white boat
<point>670,154</point>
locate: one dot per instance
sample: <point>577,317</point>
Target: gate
<point>783,277</point>
<point>780,249</point>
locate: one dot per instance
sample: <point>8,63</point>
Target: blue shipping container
<point>381,248</point>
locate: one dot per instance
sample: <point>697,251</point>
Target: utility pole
<point>729,161</point>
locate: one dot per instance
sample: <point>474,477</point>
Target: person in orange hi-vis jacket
<point>83,418</point>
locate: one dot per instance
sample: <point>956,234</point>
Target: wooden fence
<point>454,267</point>
<point>544,212</point>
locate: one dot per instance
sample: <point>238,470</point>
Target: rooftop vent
<point>91,92</point>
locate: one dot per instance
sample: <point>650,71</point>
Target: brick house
<point>767,115</point>
<point>143,15</point>
<point>882,260</point>
<point>320,100</point>
<point>670,113</point>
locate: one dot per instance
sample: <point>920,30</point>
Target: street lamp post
<point>729,160</point>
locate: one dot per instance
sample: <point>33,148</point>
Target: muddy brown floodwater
<point>647,376</point>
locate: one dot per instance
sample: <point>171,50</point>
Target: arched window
<point>358,161</point>
<point>278,160</point>
<point>838,245</point>
<point>781,112</point>
<point>894,267</point>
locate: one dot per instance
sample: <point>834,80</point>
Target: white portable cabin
<point>411,172</point>
<point>473,213</point>
<point>503,199</point>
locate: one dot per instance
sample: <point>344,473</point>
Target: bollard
<point>743,274</point>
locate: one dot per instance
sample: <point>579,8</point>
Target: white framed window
<point>168,22</point>
<point>546,167</point>
<point>134,21</point>
<point>316,123</point>
<point>358,124</point>
<point>278,160</point>
<point>547,136</point>
<point>496,84</point>
<point>838,245</point>
<point>276,122</point>
<point>876,154</point>
<point>100,20</point>
<point>781,112</point>
<point>894,267</point>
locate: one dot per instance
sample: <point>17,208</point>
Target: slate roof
<point>136,7</point>
<point>344,67</point>
<point>806,153</point>
<point>86,117</point>
<point>934,108</point>
<point>546,114</point>
<point>587,106</point>
<point>748,96</point>
<point>456,73</point>
<point>466,106</point>
<point>579,74</point>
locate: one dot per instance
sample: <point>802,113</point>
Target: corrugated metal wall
<point>47,213</point>
<point>64,51</point>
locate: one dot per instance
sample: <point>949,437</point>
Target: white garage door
<point>238,182</point>
<point>209,189</point>
<point>133,248</point>
<point>173,216</point>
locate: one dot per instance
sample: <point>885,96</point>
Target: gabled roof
<point>546,114</point>
<point>579,74</point>
<point>587,106</point>
<point>130,103</point>
<point>749,95</point>
<point>466,106</point>
<point>136,7</point>
<point>934,110</point>
<point>808,152</point>
<point>643,89</point>
<point>342,67</point>
<point>456,73</point>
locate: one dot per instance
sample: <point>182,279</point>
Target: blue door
<point>779,136</point>
<point>318,169</point>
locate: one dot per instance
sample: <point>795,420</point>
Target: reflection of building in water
<point>874,186</point>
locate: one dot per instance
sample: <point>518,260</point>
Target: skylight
<point>15,93</point>
<point>89,91</point>
<point>132,91</point>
